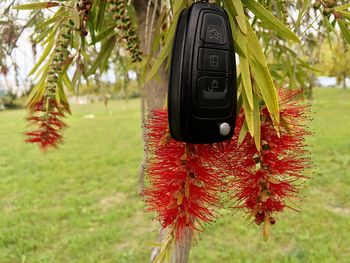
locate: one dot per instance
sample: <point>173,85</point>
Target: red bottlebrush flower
<point>265,180</point>
<point>184,188</point>
<point>46,116</point>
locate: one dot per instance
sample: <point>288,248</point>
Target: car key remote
<point>202,86</point>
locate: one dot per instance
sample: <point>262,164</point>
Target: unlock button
<point>212,91</point>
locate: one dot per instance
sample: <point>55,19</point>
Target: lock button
<point>212,91</point>
<point>214,60</point>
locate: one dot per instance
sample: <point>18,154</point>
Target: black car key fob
<point>202,86</point>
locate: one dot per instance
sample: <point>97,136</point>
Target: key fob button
<point>214,60</point>
<point>213,91</point>
<point>213,29</point>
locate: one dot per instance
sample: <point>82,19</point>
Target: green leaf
<point>257,123</point>
<point>45,53</point>
<point>39,89</point>
<point>345,14</point>
<point>342,7</point>
<point>246,80</point>
<point>165,50</point>
<point>66,81</point>
<point>240,18</point>
<point>104,34</point>
<point>75,17</point>
<point>243,132</point>
<point>231,9</point>
<point>344,30</point>
<point>103,56</point>
<point>264,82</point>
<point>240,49</point>
<point>59,15</point>
<point>33,6</point>
<point>272,22</point>
<point>248,113</point>
<point>254,46</point>
<point>267,88</point>
<point>76,78</point>
<point>153,244</point>
<point>241,42</point>
<point>101,13</point>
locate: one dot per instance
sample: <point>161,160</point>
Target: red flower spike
<point>263,182</point>
<point>184,187</point>
<point>46,116</point>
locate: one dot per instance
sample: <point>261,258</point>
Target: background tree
<point>335,62</point>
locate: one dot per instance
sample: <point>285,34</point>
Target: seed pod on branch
<point>119,13</point>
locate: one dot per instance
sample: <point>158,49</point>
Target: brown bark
<point>153,96</point>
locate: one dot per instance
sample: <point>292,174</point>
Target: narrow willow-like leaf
<point>243,132</point>
<point>75,17</point>
<point>165,49</point>
<point>104,34</point>
<point>248,113</point>
<point>231,9</point>
<point>100,14</point>
<point>342,7</point>
<point>247,84</point>
<point>103,56</point>
<point>257,123</point>
<point>45,53</point>
<point>240,50</point>
<point>254,46</point>
<point>345,31</point>
<point>66,81</point>
<point>240,18</point>
<point>76,77</point>
<point>345,14</point>
<point>264,82</point>
<point>34,6</point>
<point>39,88</point>
<point>272,22</point>
<point>59,15</point>
<point>153,244</point>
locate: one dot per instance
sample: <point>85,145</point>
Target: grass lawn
<point>81,203</point>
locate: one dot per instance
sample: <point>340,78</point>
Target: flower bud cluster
<point>327,6</point>
<point>60,55</point>
<point>120,14</point>
<point>84,8</point>
<point>285,12</point>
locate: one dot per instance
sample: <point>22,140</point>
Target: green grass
<point>81,203</point>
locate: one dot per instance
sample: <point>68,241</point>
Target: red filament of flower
<point>264,182</point>
<point>184,189</point>
<point>45,117</point>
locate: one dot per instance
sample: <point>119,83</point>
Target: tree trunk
<point>153,96</point>
<point>344,81</point>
